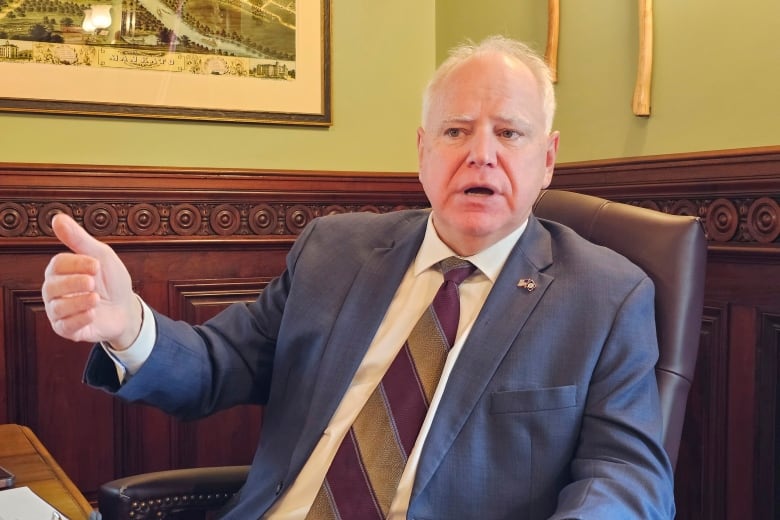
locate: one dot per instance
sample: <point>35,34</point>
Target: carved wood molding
<point>199,219</point>
<point>735,192</point>
<point>126,204</point>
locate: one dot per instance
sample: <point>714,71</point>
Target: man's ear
<point>420,137</point>
<point>420,147</point>
<point>550,156</point>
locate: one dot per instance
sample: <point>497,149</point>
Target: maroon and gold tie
<point>364,475</point>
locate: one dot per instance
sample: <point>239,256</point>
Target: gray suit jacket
<point>550,411</point>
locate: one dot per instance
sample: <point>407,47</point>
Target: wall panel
<point>228,437</point>
<point>196,240</point>
<point>727,467</point>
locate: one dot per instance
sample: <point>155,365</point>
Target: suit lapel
<point>503,315</point>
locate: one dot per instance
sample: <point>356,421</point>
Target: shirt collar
<point>489,261</point>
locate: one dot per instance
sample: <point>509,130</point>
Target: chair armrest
<point>165,494</point>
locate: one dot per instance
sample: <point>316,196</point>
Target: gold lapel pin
<point>527,283</point>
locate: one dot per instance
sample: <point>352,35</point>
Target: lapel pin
<point>527,283</point>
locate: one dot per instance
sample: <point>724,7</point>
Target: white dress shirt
<point>416,291</point>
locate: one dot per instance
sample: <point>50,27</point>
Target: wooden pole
<point>641,101</point>
<point>553,31</point>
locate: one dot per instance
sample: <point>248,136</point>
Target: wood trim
<point>748,171</point>
<point>239,216</point>
<point>178,205</point>
<point>736,193</point>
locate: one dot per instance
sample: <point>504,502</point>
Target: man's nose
<point>483,150</point>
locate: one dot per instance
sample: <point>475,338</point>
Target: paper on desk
<point>22,504</point>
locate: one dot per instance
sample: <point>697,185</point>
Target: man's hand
<point>88,293</point>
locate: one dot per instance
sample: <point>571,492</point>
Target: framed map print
<point>252,61</point>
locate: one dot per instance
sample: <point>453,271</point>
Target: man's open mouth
<point>479,190</point>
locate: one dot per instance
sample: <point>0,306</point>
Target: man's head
<point>485,147</point>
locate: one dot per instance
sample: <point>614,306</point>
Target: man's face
<point>484,155</point>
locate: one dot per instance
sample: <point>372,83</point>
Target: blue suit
<point>551,410</point>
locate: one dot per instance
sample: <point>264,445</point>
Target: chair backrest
<point>672,250</point>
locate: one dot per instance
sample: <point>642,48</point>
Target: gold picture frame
<point>248,61</point>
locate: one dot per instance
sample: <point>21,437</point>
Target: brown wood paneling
<point>767,389</point>
<point>728,457</point>
<point>229,437</point>
<point>196,240</point>
<point>6,337</point>
<point>741,411</point>
<point>44,392</point>
<point>699,488</point>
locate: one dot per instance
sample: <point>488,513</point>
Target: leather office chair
<point>671,249</point>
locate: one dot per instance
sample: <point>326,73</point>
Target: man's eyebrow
<point>516,122</point>
<point>457,119</point>
<point>501,120</point>
<point>513,121</point>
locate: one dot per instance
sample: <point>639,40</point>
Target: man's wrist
<point>127,339</point>
<point>130,360</point>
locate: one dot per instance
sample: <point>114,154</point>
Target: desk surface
<point>22,454</point>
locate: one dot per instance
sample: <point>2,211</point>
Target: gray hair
<point>501,45</point>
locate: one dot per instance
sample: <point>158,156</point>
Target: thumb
<point>74,236</point>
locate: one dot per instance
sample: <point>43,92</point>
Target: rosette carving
<point>722,220</point>
<point>225,220</point>
<point>185,219</point>
<point>143,219</point>
<point>684,207</point>
<point>334,210</point>
<point>13,219</point>
<point>297,217</point>
<point>763,220</point>
<point>262,219</point>
<point>101,219</point>
<point>47,213</point>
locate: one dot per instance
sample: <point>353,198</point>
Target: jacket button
<point>279,487</point>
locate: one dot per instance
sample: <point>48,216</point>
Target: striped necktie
<point>364,475</point>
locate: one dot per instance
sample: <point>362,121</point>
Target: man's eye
<point>452,132</point>
<point>509,134</point>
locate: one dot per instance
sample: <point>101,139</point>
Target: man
<point>547,406</point>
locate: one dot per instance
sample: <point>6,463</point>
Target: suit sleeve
<point>195,371</point>
<point>621,469</point>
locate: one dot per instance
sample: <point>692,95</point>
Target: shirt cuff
<point>130,360</point>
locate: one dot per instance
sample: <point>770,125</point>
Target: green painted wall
<point>383,53</point>
<point>716,72</point>
<point>715,86</point>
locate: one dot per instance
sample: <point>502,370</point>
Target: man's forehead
<point>491,63</point>
<point>490,85</point>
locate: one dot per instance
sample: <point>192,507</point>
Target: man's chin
<point>474,238</point>
<point>479,224</point>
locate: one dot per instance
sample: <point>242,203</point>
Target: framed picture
<point>252,61</point>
